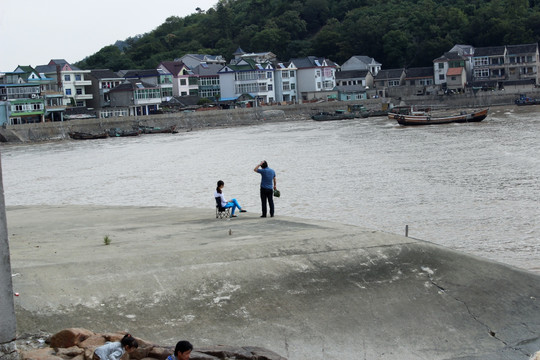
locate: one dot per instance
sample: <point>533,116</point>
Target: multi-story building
<point>285,82</point>
<point>450,64</point>
<point>208,75</point>
<point>386,80</point>
<point>245,76</point>
<point>361,62</point>
<point>75,87</point>
<point>523,62</point>
<point>353,84</point>
<point>26,96</point>
<point>489,69</point>
<point>103,80</point>
<point>316,78</point>
<point>184,82</point>
<point>135,97</point>
<point>193,60</point>
<point>419,80</point>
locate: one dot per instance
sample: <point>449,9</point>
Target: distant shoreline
<point>188,121</point>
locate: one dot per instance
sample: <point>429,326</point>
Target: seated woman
<point>224,203</point>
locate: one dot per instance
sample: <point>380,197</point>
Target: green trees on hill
<point>394,32</point>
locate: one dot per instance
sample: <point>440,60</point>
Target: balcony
<point>82,82</point>
<point>83,97</point>
<point>52,94</point>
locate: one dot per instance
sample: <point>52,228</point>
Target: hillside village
<point>60,91</point>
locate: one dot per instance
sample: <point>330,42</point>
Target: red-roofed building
<point>456,78</point>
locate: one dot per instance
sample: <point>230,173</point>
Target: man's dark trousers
<point>267,194</point>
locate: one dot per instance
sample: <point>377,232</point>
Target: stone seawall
<point>186,121</point>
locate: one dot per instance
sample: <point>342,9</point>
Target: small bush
<point>107,240</point>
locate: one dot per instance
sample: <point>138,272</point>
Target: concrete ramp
<point>304,289</point>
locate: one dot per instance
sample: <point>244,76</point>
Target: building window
<point>481,73</point>
<point>441,65</point>
<point>291,74</point>
<point>481,61</point>
<point>270,87</point>
<point>67,78</point>
<point>79,91</point>
<point>441,76</point>
<point>78,77</point>
<point>68,91</point>
<point>183,82</point>
<point>269,75</point>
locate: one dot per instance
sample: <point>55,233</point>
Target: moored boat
<point>77,135</point>
<point>427,118</point>
<point>337,115</point>
<point>525,100</point>
<point>116,132</point>
<point>157,130</point>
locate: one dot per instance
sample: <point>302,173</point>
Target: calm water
<point>471,187</point>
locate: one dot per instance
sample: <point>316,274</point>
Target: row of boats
<point>409,115</point>
<point>117,132</point>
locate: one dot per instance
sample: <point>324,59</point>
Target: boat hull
<point>425,119</point>
<point>87,136</point>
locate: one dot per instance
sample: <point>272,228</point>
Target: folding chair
<point>222,212</point>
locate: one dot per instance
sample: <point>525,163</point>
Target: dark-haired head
<point>220,183</point>
<point>264,164</point>
<point>182,347</point>
<point>129,341</point>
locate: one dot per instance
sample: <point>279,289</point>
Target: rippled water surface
<point>471,187</point>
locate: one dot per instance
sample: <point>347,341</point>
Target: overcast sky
<point>33,32</point>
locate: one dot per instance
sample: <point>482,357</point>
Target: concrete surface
<point>305,289</point>
<point>7,311</point>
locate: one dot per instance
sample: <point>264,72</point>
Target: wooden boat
<point>77,135</point>
<point>157,130</point>
<point>119,132</point>
<point>426,118</point>
<point>337,115</point>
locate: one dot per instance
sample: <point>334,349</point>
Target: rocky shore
<point>79,344</point>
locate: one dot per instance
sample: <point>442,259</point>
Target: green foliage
<point>394,32</point>
<point>106,240</point>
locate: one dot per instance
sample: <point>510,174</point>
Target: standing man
<point>268,184</point>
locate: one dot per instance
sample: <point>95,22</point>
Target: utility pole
<point>7,309</point>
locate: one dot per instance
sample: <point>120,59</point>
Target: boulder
<point>70,337</point>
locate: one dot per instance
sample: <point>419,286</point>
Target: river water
<point>471,187</point>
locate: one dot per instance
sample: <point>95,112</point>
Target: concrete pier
<point>305,289</point>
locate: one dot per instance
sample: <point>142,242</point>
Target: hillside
<point>396,33</point>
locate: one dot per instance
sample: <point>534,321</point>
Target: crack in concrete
<point>475,318</point>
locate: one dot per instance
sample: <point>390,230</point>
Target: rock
<point>160,353</point>
<point>69,337</point>
<point>79,344</point>
<point>260,353</point>
<point>225,351</point>
<point>40,354</point>
<point>93,341</point>
<point>70,352</point>
<point>201,356</point>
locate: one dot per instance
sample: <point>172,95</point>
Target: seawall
<point>306,289</point>
<point>186,121</point>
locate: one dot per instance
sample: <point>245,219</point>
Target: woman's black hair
<point>182,347</point>
<point>219,183</point>
<point>130,341</point>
